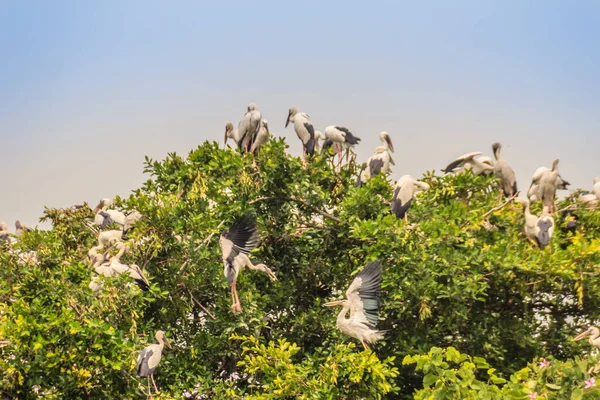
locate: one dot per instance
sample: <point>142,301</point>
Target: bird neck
<point>341,318</point>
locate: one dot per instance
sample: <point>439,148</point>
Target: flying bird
<point>236,243</point>
<point>534,189</point>
<point>304,129</point>
<point>150,357</point>
<point>404,192</point>
<point>593,335</point>
<point>547,186</point>
<point>471,161</point>
<point>504,172</point>
<point>362,300</point>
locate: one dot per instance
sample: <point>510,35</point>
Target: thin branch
<point>511,198</point>
<point>183,266</point>
<point>300,201</point>
<point>207,240</point>
<point>201,306</point>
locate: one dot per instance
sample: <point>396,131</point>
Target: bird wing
<point>143,368</point>
<point>242,237</point>
<point>310,143</point>
<point>348,136</point>
<point>106,220</point>
<point>537,175</point>
<point>453,165</point>
<point>363,294</point>
<point>243,129</point>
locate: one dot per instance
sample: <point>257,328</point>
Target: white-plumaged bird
<point>233,133</point>
<point>593,335</point>
<point>249,126</point>
<point>20,228</point>
<point>530,220</point>
<point>236,243</point>
<point>404,192</point>
<point>547,186</point>
<point>150,357</point>
<point>544,228</point>
<point>471,161</point>
<point>341,138</point>
<point>534,189</point>
<point>387,142</point>
<point>504,172</point>
<point>262,137</point>
<point>378,162</point>
<point>362,300</point>
<point>304,129</point>
<point>319,136</point>
<point>596,187</point>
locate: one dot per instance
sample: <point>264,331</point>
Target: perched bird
<point>387,142</point>
<point>150,357</point>
<point>319,136</point>
<point>547,186</point>
<point>471,161</point>
<point>544,228</point>
<point>341,138</point>
<point>250,126</point>
<point>593,334</point>
<point>378,162</point>
<point>19,228</point>
<point>4,234</point>
<point>596,187</point>
<point>534,189</point>
<point>113,266</point>
<point>405,190</point>
<point>236,243</point>
<point>530,220</point>
<point>504,172</point>
<point>233,133</point>
<point>362,300</point>
<point>304,129</point>
<point>261,137</point>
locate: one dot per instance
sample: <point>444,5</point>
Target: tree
<point>456,276</point>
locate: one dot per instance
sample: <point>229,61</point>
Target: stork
<point>341,138</point>
<point>504,172</point>
<point>304,129</point>
<point>378,162</point>
<point>150,357</point>
<point>233,133</point>
<point>236,243</point>
<point>249,126</point>
<point>530,220</point>
<point>19,228</point>
<point>471,161</point>
<point>362,300</point>
<point>404,192</point>
<point>262,137</point>
<point>544,228</point>
<point>596,187</point>
<point>593,335</point>
<point>547,186</point>
<point>534,189</point>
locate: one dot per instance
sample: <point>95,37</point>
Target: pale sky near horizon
<point>88,88</point>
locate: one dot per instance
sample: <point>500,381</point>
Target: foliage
<point>455,277</point>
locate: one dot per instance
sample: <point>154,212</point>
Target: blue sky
<point>88,88</point>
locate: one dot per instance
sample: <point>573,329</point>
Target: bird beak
<point>334,303</point>
<point>168,343</point>
<point>582,335</point>
<point>288,119</point>
<point>225,138</point>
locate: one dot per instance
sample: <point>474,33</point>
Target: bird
<point>544,228</point>
<point>596,187</point>
<point>19,228</point>
<point>319,136</point>
<point>342,137</point>
<point>5,235</point>
<point>105,217</point>
<point>304,129</point>
<point>262,137</point>
<point>530,220</point>
<point>378,162</point>
<point>593,335</point>
<point>504,172</point>
<point>249,127</point>
<point>471,161</point>
<point>405,189</point>
<point>232,133</point>
<point>534,189</point>
<point>547,186</point>
<point>150,357</point>
<point>362,300</point>
<point>387,142</point>
<point>236,243</point>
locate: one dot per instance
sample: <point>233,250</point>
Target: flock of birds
<point>362,296</point>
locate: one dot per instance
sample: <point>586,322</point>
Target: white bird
<point>340,138</point>
<point>19,228</point>
<point>233,133</point>
<point>589,199</point>
<point>547,186</point>
<point>150,357</point>
<point>319,136</point>
<point>304,129</point>
<point>504,172</point>
<point>105,217</point>
<point>387,142</point>
<point>544,228</point>
<point>4,234</point>
<point>249,126</point>
<point>404,192</point>
<point>262,137</point>
<point>593,334</point>
<point>530,220</point>
<point>113,267</point>
<point>596,187</point>
<point>471,161</point>
<point>378,162</point>
<point>362,300</point>
<point>236,243</point>
<point>534,189</point>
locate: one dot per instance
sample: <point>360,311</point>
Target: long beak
<point>288,120</point>
<point>334,303</point>
<point>225,140</point>
<point>168,343</point>
<point>391,146</point>
<point>582,335</point>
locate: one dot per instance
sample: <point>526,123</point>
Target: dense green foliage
<point>455,277</point>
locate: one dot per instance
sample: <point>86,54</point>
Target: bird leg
<point>406,217</point>
<point>364,345</point>
<point>236,306</point>
<point>303,156</point>
<point>149,391</point>
<point>154,383</point>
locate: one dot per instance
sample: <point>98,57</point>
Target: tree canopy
<point>469,306</point>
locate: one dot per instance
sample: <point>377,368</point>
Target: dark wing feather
<point>350,138</point>
<point>370,289</point>
<point>310,144</point>
<point>452,165</point>
<point>375,166</point>
<point>142,366</point>
<point>106,221</point>
<point>243,236</point>
<point>397,207</point>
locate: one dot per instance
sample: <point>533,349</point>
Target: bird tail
<point>400,209</point>
<point>143,285</point>
<point>310,146</point>
<point>351,139</point>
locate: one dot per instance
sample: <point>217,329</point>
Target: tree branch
<point>299,201</point>
<point>511,198</point>
<point>201,306</point>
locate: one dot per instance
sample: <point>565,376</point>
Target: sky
<point>87,89</point>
